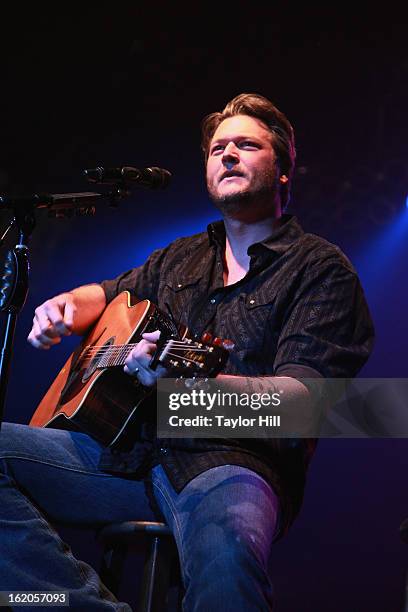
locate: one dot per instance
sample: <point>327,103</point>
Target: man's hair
<point>283,139</point>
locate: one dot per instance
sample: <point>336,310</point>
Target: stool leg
<point>112,566</point>
<point>156,577</point>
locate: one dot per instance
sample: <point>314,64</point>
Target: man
<point>294,308</point>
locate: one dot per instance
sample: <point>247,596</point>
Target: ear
<point>283,179</point>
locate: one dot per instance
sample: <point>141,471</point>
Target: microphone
<point>153,178</point>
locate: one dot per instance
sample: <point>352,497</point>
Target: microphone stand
<point>14,282</point>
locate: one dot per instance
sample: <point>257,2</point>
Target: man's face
<point>241,166</point>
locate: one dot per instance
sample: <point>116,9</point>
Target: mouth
<point>230,174</point>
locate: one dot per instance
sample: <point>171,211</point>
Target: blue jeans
<point>223,522</point>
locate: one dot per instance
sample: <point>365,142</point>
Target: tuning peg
<point>206,338</point>
<point>228,344</point>
<point>217,341</point>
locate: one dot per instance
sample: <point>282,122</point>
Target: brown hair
<point>261,108</point>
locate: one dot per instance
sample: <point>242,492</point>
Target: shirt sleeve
<point>142,282</point>
<point>327,327</point>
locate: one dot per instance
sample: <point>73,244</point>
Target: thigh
<point>223,509</point>
<point>58,470</point>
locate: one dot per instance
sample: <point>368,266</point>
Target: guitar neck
<point>183,357</point>
<point>108,356</point>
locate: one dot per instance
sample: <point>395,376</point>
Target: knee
<point>240,543</point>
<point>237,558</point>
<point>10,434</point>
<point>232,579</point>
<point>12,438</point>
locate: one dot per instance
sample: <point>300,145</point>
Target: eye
<point>217,149</point>
<point>248,144</point>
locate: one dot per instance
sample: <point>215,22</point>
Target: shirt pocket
<point>177,298</point>
<point>249,326</point>
<point>251,323</point>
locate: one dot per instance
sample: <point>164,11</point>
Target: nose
<point>230,155</point>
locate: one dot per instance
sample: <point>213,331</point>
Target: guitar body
<point>101,402</point>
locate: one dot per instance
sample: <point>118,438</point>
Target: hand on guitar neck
<point>138,361</point>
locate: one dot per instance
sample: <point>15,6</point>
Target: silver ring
<point>136,371</point>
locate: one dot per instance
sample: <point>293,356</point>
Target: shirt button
<point>163,450</point>
<point>212,301</point>
<point>179,285</point>
<point>252,301</point>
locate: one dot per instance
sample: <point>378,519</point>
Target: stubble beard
<point>262,197</point>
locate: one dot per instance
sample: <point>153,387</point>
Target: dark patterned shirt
<point>300,311</point>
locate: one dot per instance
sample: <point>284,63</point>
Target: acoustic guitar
<point>93,394</point>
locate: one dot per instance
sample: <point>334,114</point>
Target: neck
<point>241,234</point>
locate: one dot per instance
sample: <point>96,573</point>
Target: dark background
<point>101,85</point>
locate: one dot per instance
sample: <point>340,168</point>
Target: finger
<point>54,310</point>
<point>141,355</point>
<point>69,312</point>
<point>44,323</point>
<point>145,377</point>
<point>46,339</point>
<point>138,360</point>
<point>139,368</point>
<point>36,343</point>
<point>143,351</point>
<point>148,377</point>
<point>39,340</point>
<point>152,336</point>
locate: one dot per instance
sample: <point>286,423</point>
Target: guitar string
<point>184,358</point>
<point>129,347</point>
<point>88,359</point>
<point>114,352</point>
<point>169,354</point>
<point>100,347</point>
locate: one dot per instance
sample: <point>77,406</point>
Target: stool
<point>161,561</point>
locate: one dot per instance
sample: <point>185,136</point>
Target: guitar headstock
<point>189,358</point>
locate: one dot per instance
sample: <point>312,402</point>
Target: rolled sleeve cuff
<point>308,376</point>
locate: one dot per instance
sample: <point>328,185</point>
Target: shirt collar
<point>279,241</point>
